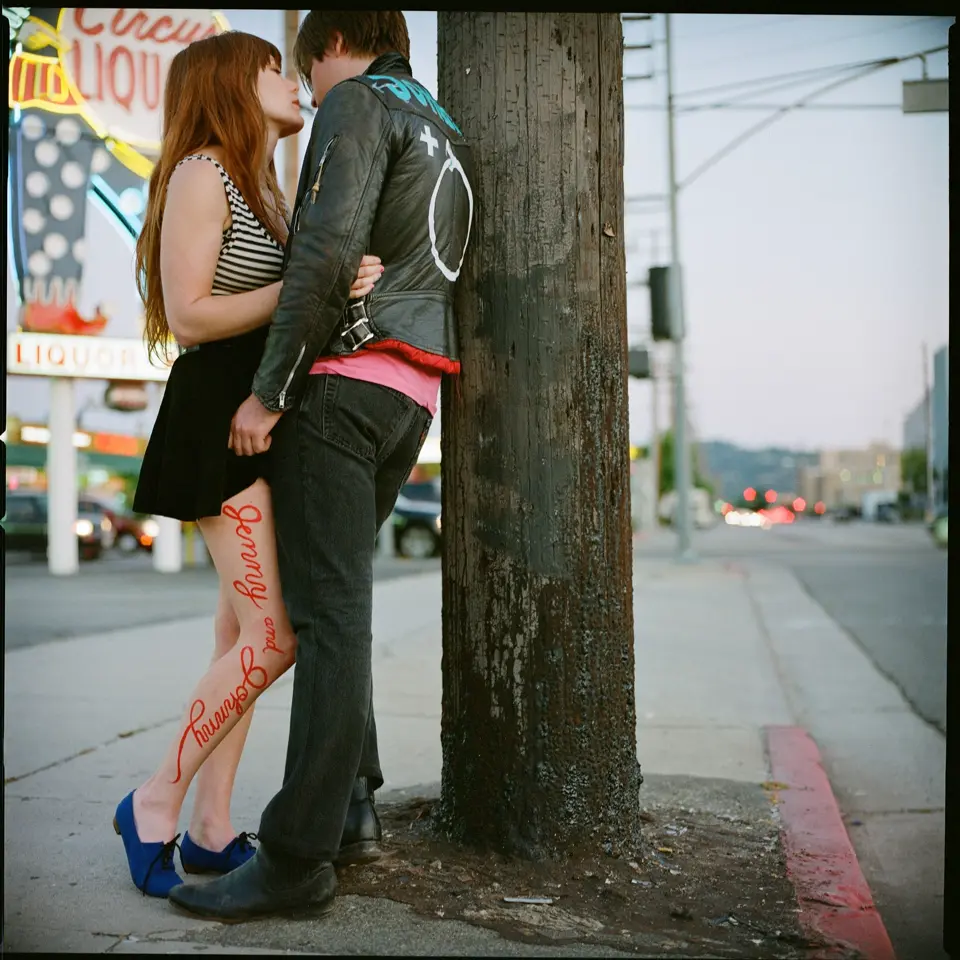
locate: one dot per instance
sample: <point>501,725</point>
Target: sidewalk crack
<point>118,939</point>
<point>82,753</point>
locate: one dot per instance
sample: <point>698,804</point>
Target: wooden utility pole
<point>291,151</point>
<point>539,712</point>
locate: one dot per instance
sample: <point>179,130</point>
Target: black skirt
<point>187,471</point>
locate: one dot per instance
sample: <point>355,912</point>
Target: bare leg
<point>210,823</point>
<point>243,546</point>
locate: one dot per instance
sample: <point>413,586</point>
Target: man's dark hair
<point>365,33</point>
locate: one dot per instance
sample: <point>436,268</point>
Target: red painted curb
<point>833,896</point>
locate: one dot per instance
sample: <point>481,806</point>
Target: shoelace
<point>242,841</point>
<point>164,858</point>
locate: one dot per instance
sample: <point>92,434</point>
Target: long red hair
<point>210,99</point>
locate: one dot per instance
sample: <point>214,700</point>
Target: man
<point>345,398</point>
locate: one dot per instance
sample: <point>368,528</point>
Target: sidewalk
<point>728,664</point>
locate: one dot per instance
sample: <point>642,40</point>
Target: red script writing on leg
<point>271,636</point>
<point>252,585</point>
<point>253,677</point>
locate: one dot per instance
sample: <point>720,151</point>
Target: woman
<point>209,263</point>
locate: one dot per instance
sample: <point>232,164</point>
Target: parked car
<point>416,520</point>
<point>102,516</point>
<point>133,531</point>
<point>137,532</point>
<point>888,513</point>
<point>25,525</point>
<point>700,507</point>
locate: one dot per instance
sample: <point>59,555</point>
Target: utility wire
<point>798,106</point>
<point>694,108</point>
<point>778,21</point>
<point>810,73</point>
<point>823,43</point>
<point>766,85</point>
<point>756,128</point>
<point>762,91</point>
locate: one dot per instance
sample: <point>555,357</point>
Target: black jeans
<point>338,463</point>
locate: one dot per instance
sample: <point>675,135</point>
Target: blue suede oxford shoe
<point>197,859</point>
<point>151,864</point>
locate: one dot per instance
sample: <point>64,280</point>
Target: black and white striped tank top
<point>249,255</point>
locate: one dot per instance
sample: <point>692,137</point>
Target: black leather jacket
<point>384,174</point>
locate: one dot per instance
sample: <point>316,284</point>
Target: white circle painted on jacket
<point>451,163</point>
<point>79,250</point>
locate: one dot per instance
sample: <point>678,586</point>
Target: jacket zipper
<point>316,184</point>
<point>314,190</point>
<point>283,393</point>
<point>313,199</point>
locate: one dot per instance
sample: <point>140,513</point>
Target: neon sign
<point>85,91</point>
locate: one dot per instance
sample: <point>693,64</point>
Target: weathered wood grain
<point>539,722</point>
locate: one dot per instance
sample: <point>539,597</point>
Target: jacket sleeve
<point>329,236</point>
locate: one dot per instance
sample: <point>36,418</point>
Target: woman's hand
<point>369,273</point>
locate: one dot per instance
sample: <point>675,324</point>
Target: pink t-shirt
<point>389,368</point>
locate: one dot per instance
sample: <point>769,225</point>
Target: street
<point>119,591</point>
<point>886,585</point>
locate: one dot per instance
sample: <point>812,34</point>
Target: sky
<point>815,255</point>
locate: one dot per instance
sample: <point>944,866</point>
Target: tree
<point>913,470</point>
<point>666,462</point>
<point>539,711</point>
<point>666,467</point>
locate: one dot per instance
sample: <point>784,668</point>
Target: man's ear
<point>338,44</point>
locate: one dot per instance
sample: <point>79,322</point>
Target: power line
<point>781,106</point>
<point>763,91</point>
<point>756,128</point>
<point>765,85</point>
<point>810,73</point>
<point>742,28</point>
<point>823,43</point>
<point>781,112</point>
<point>694,108</point>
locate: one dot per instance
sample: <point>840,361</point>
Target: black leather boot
<point>360,840</point>
<point>266,885</point>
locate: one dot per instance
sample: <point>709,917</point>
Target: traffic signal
<point>664,285</point>
<point>638,363</point>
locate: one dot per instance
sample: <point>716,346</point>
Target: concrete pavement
<point>723,651</point>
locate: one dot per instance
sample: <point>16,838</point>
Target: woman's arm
<point>190,238</point>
